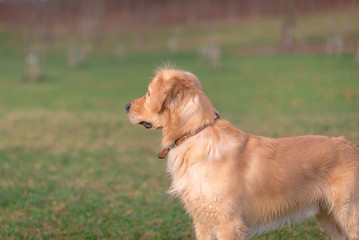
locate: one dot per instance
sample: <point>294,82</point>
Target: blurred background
<point>212,29</point>
<point>71,164</point>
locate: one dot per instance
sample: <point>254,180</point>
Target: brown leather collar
<point>180,140</point>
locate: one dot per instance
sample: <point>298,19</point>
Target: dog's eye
<point>148,93</point>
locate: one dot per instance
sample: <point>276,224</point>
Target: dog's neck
<point>185,136</point>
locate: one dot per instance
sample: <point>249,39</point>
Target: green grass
<point>72,166</point>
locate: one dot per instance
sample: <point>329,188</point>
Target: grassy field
<point>72,166</point>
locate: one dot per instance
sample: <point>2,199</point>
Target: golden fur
<point>235,185</point>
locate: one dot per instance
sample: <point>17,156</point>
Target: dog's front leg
<point>202,231</point>
<point>232,230</point>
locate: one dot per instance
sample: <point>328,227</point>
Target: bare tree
<point>50,17</point>
<point>255,14</point>
<point>127,11</point>
<point>91,29</point>
<point>142,15</point>
<point>254,8</point>
<point>191,11</point>
<point>174,6</point>
<point>94,20</point>
<point>232,9</point>
<point>72,11</point>
<point>288,24</point>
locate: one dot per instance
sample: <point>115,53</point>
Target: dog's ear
<point>164,94</point>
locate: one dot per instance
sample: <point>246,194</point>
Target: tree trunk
<point>288,24</point>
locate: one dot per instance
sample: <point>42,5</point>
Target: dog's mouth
<point>146,124</point>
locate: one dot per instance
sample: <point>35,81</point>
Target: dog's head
<point>174,102</point>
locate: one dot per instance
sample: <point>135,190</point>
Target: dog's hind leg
<point>348,218</point>
<point>327,224</point>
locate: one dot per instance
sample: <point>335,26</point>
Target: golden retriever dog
<point>236,185</point>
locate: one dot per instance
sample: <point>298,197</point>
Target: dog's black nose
<point>127,107</point>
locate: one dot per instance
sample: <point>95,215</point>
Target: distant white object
<point>211,54</point>
<point>334,45</point>
<point>32,67</point>
<point>77,55</point>
<point>173,41</point>
<point>203,52</point>
<point>119,51</point>
<point>214,57</point>
<point>173,45</point>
